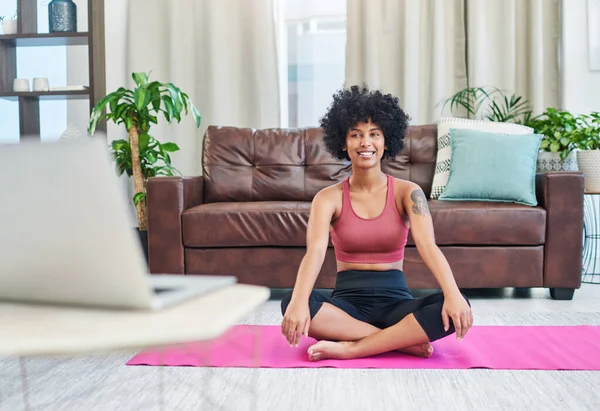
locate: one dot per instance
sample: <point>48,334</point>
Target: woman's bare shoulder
<point>404,191</point>
<point>329,194</point>
<point>403,188</point>
<point>328,200</point>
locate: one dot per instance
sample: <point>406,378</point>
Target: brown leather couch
<point>247,216</point>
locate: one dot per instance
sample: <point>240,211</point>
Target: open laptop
<point>67,233</point>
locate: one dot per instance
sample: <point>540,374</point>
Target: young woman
<point>368,215</point>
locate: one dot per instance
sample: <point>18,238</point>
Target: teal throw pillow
<point>492,167</point>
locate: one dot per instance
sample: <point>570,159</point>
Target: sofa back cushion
<point>244,164</point>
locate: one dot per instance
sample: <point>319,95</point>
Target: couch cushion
<point>270,223</point>
<point>244,164</point>
<point>483,223</point>
<point>492,167</point>
<point>444,144</point>
<point>239,224</point>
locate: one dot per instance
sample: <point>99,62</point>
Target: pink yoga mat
<point>495,347</point>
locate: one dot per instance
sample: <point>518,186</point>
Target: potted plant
<point>9,26</point>
<point>558,127</point>
<point>142,156</point>
<point>587,141</point>
<point>489,103</point>
<point>557,147</point>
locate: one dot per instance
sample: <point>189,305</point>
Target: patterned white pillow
<point>444,153</point>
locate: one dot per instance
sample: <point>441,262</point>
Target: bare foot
<point>343,350</point>
<point>328,349</point>
<point>420,350</point>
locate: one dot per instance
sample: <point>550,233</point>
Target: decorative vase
<point>589,165</point>
<point>9,26</point>
<point>62,16</point>
<point>548,161</point>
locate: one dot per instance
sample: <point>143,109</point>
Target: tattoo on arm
<point>419,206</point>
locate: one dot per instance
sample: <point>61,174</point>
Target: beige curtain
<point>424,51</point>
<point>413,49</point>
<point>222,53</point>
<point>513,45</point>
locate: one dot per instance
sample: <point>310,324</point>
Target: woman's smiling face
<point>365,144</point>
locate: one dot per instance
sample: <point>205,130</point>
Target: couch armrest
<point>166,199</point>
<point>561,194</point>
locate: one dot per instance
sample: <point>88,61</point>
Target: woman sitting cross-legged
<point>371,309</point>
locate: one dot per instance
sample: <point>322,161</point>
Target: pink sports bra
<point>376,240</point>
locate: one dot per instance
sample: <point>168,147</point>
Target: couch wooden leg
<point>562,293</point>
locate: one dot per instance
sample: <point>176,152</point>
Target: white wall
<point>580,86</point>
<point>78,73</point>
<point>115,17</point>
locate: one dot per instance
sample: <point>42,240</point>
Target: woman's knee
<point>285,301</point>
<point>430,319</point>
<point>314,300</point>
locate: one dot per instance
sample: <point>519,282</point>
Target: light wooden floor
<point>102,382</point>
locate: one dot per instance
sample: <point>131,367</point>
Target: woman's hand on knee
<point>296,322</point>
<point>458,309</point>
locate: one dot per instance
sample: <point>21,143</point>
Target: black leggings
<point>382,299</point>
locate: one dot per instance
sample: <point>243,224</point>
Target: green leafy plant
<point>142,156</point>
<point>14,16</point>
<point>155,159</point>
<point>489,103</point>
<point>559,129</point>
<point>587,135</point>
<point>563,132</point>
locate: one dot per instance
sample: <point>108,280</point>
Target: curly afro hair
<point>359,104</point>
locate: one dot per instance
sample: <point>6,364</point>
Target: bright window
<point>312,45</point>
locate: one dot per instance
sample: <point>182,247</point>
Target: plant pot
<point>143,234</point>
<point>9,26</point>
<point>589,164</point>
<point>548,161</point>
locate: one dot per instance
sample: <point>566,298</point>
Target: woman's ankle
<point>351,349</point>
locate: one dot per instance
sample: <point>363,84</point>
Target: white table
<point>40,330</point>
<point>27,330</point>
